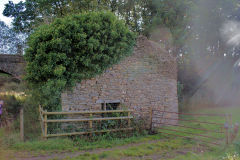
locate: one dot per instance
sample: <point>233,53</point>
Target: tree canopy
<point>11,42</point>
<point>141,16</point>
<point>74,48</point>
<point>138,15</point>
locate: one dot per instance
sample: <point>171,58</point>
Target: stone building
<point>144,81</point>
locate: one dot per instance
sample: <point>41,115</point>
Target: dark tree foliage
<point>74,48</point>
<point>207,20</point>
<point>138,15</point>
<point>204,46</point>
<point>32,13</point>
<point>10,42</point>
<point>24,15</point>
<point>175,15</point>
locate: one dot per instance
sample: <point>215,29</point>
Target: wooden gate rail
<point>44,121</point>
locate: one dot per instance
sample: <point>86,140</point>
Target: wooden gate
<point>216,129</point>
<point>85,116</point>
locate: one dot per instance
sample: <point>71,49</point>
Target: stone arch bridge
<point>12,64</point>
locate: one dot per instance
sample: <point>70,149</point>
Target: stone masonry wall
<point>144,81</point>
<point>12,64</point>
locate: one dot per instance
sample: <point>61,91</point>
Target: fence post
<point>129,120</point>
<point>45,126</point>
<point>234,133</point>
<point>91,122</point>
<point>226,126</point>
<point>151,112</point>
<point>41,121</point>
<point>21,124</point>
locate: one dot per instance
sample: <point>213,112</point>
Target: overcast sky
<point>2,5</point>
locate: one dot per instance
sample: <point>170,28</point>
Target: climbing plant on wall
<point>71,49</point>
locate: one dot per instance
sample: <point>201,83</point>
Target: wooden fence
<point>44,121</point>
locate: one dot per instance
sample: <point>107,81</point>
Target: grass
<point>136,151</point>
<point>215,154</point>
<point>141,145</point>
<point>49,145</point>
<point>78,144</point>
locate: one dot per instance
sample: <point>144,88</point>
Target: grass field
<point>158,146</point>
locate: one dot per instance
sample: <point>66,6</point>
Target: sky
<point>2,5</point>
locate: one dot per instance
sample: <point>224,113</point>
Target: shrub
<point>11,105</point>
<point>74,48</point>
<point>11,109</point>
<point>13,87</point>
<point>32,129</point>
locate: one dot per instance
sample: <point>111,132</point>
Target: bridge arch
<point>4,72</point>
<point>12,65</point>
<point>7,77</point>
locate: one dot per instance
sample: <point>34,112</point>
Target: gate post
<point>129,120</point>
<point>45,126</point>
<point>226,126</point>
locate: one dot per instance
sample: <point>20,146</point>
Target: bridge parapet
<point>7,58</point>
<point>12,64</point>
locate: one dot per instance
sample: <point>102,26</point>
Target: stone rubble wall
<point>12,64</point>
<point>144,81</point>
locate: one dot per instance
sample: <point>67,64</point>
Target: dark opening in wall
<point>110,106</point>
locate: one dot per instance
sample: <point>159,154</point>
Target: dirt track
<point>11,155</point>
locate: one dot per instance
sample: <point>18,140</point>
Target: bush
<point>32,128</point>
<point>13,87</point>
<point>74,48</point>
<point>11,105</point>
<point>11,109</point>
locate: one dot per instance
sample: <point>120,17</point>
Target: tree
<point>24,15</point>
<point>138,14</point>
<point>11,42</point>
<point>33,13</point>
<point>74,48</point>
<point>205,48</point>
<point>207,19</point>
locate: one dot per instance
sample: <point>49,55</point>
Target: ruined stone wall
<point>145,80</point>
